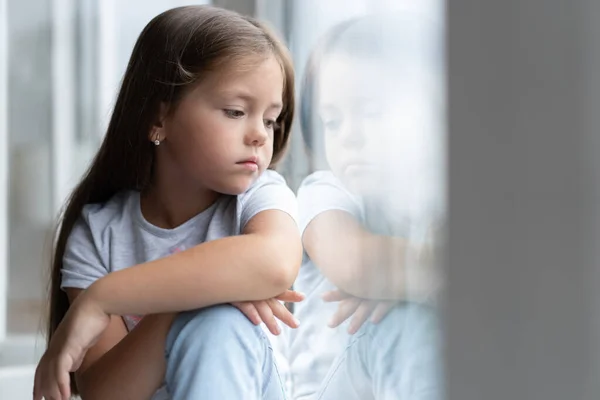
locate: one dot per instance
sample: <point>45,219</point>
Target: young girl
<point>179,212</point>
<point>371,112</point>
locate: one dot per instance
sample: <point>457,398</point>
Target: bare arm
<point>357,261</point>
<point>259,264</point>
<point>124,366</point>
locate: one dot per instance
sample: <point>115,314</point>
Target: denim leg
<point>400,358</point>
<point>217,353</point>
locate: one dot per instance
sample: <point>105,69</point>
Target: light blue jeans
<point>399,358</point>
<point>217,353</point>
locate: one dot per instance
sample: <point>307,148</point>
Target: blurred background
<point>521,169</point>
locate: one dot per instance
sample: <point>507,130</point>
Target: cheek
<point>332,151</point>
<point>190,146</point>
<point>267,150</point>
<point>195,150</point>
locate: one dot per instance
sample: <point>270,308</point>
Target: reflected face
<point>377,124</point>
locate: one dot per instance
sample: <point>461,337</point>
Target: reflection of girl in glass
<point>371,117</point>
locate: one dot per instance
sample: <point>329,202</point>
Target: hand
<point>79,330</point>
<point>359,309</point>
<point>267,310</point>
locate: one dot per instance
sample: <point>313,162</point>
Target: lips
<point>358,165</point>
<point>251,160</point>
<point>249,163</point>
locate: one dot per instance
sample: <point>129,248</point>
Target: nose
<point>353,134</point>
<point>256,135</point>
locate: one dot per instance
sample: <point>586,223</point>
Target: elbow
<point>285,278</point>
<point>285,264</point>
<point>347,281</point>
<point>353,278</point>
<point>371,283</point>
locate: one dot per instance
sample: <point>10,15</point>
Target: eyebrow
<point>250,99</point>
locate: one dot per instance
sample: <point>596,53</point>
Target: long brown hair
<point>174,51</point>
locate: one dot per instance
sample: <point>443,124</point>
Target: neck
<point>172,199</point>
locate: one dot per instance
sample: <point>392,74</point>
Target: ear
<point>158,131</point>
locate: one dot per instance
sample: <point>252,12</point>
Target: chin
<point>364,189</point>
<point>364,185</point>
<point>236,186</point>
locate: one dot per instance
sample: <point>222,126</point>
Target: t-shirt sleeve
<point>270,192</point>
<point>82,263</point>
<point>321,192</point>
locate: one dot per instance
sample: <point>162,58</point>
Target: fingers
<point>266,314</point>
<point>345,310</point>
<point>52,380</point>
<point>64,386</point>
<point>47,387</point>
<point>54,394</point>
<point>283,314</point>
<point>291,296</point>
<point>361,315</point>
<point>64,365</point>
<point>381,310</point>
<point>249,310</point>
<point>334,295</point>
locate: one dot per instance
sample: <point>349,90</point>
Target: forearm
<point>134,368</point>
<point>387,268</point>
<point>237,268</point>
<point>357,261</point>
<point>374,268</point>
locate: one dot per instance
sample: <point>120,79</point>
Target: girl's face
<point>220,136</point>
<point>378,125</point>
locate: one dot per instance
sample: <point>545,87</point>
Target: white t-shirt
<point>313,347</point>
<point>112,236</point>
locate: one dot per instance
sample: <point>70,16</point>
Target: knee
<point>224,315</point>
<point>212,326</point>
<point>402,322</point>
<point>405,341</point>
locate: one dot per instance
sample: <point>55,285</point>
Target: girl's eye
<point>271,124</point>
<point>332,124</point>
<point>233,113</point>
<point>331,119</point>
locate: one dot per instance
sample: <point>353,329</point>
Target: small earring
<point>156,139</point>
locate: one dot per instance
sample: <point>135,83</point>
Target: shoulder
<point>86,257</point>
<point>322,191</point>
<point>321,179</point>
<point>98,221</point>
<point>325,187</point>
<point>269,177</point>
<point>99,216</point>
<point>268,192</point>
<point>93,230</point>
<point>270,182</point>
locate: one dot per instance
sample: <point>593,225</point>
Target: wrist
<point>93,297</point>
